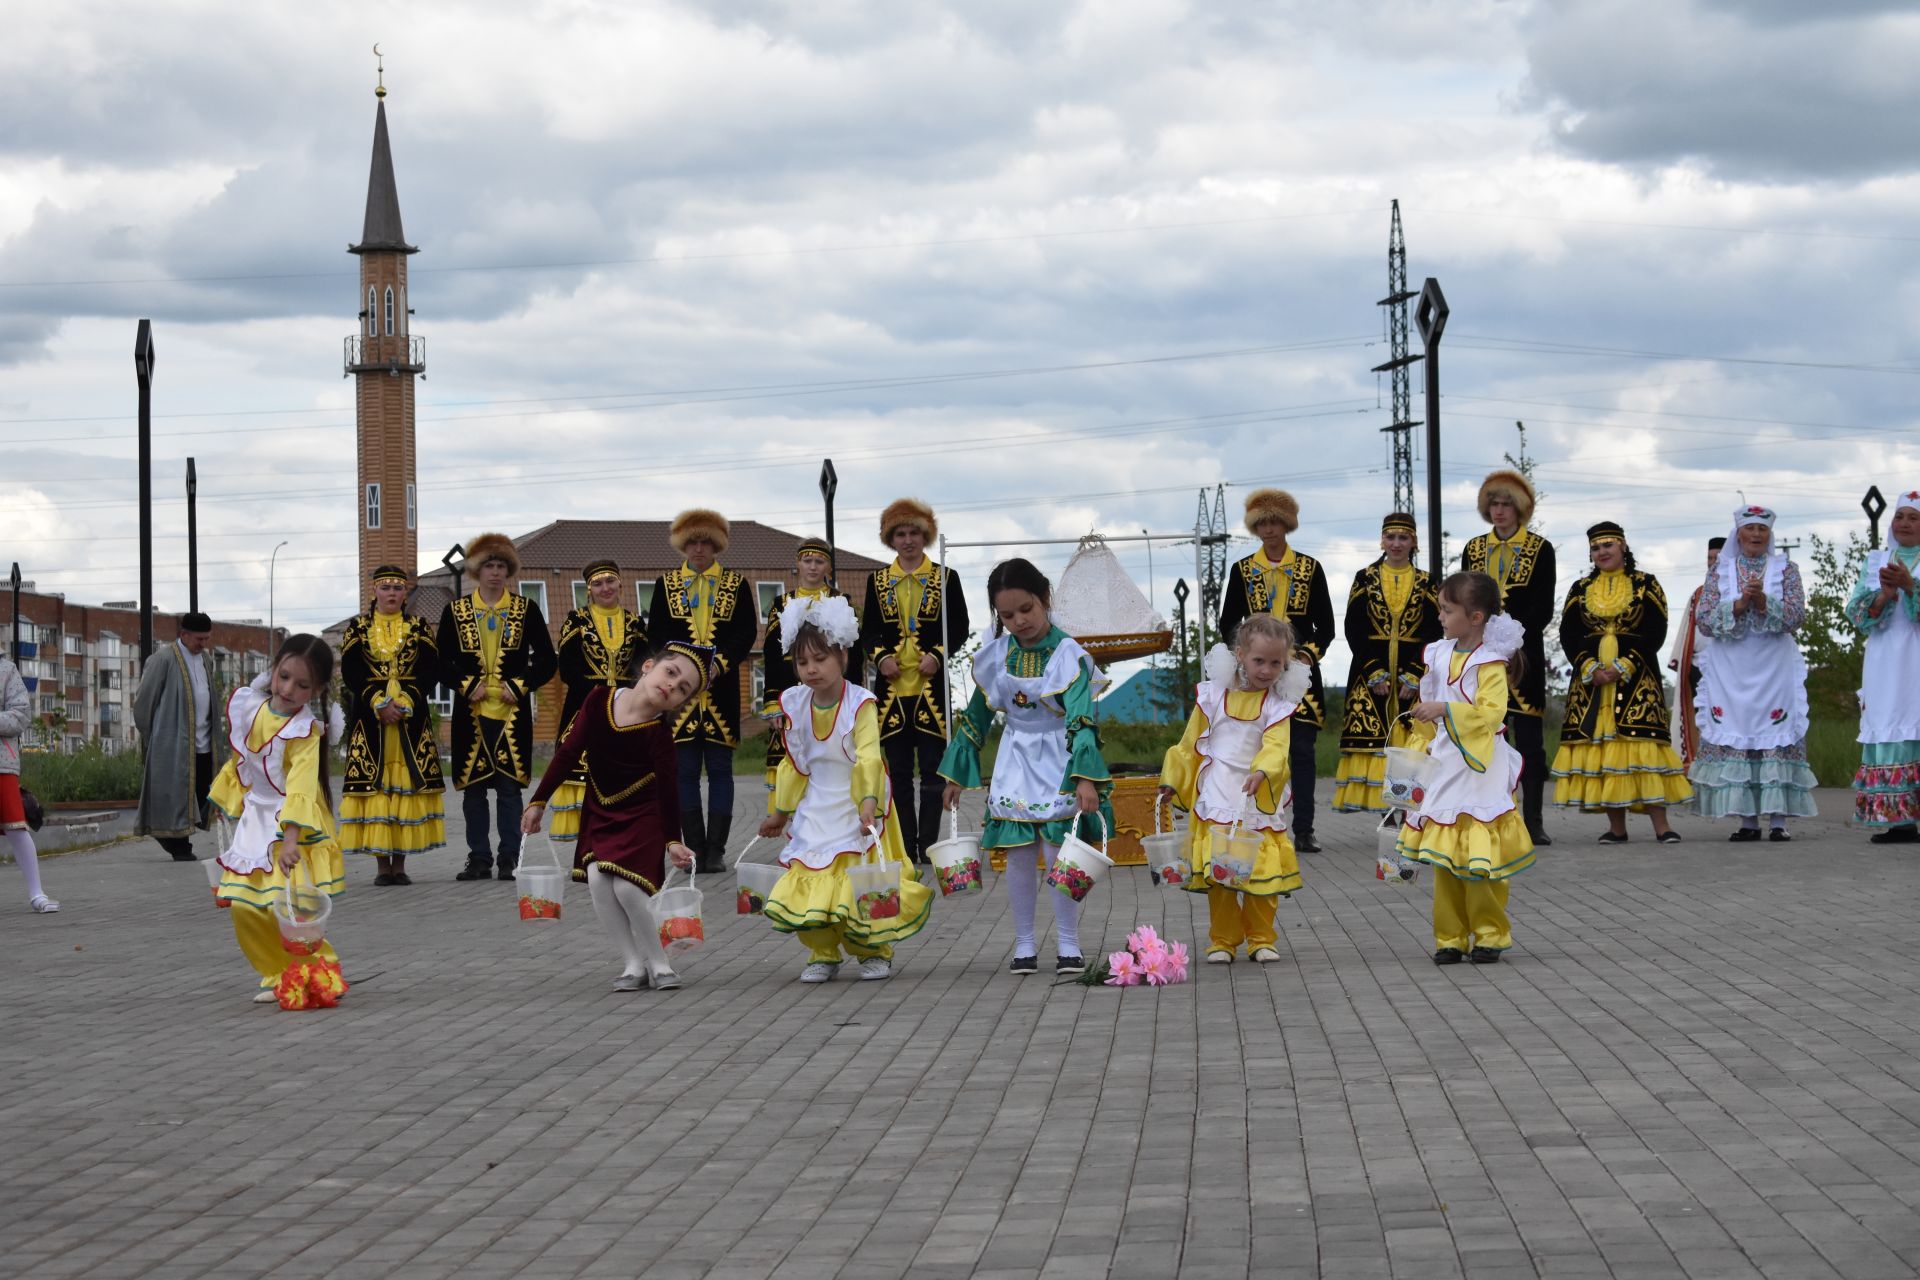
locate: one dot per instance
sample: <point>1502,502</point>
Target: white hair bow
<point>832,614</point>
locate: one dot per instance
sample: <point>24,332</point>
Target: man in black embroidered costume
<point>599,643</point>
<point>1278,580</point>
<point>708,605</point>
<point>903,636</point>
<point>494,652</point>
<point>1521,561</point>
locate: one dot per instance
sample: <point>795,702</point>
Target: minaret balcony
<point>393,354</point>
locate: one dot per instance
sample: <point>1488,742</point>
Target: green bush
<point>88,774</point>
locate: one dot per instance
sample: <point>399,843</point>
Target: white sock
<point>28,861</point>
<point>1066,915</point>
<point>1779,822</point>
<point>1023,886</point>
<point>604,890</point>
<point>645,927</point>
<point>1750,823</point>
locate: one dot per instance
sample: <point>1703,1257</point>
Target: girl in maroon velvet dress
<point>630,824</point>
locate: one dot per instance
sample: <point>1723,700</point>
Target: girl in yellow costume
<point>1231,767</point>
<point>832,789</point>
<point>274,790</point>
<point>1467,828</point>
<point>1616,750</point>
<point>392,803</point>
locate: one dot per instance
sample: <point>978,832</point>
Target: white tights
<point>24,857</point>
<point>623,911</point>
<point>1023,887</point>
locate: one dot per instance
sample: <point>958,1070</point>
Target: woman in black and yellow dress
<point>393,798</point>
<point>1616,753</point>
<point>1391,618</point>
<point>598,645</point>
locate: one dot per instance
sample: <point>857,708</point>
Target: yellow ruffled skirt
<point>1358,780</point>
<point>1620,773</point>
<point>805,899</point>
<point>563,811</point>
<point>1471,849</point>
<point>1276,867</point>
<point>396,820</point>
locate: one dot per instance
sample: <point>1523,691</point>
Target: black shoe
<point>1306,844</point>
<point>1540,838</point>
<point>1024,965</point>
<point>713,857</point>
<point>184,857</point>
<point>1449,955</point>
<point>1069,964</point>
<point>382,880</point>
<point>504,873</point>
<point>1668,837</point>
<point>401,877</point>
<point>476,871</point>
<point>1906,833</point>
<point>1779,835</point>
<point>1744,835</point>
<point>1485,955</point>
<point>1607,837</point>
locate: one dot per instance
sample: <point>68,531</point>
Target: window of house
<point>536,592</point>
<point>373,506</point>
<point>758,690</point>
<point>644,592</point>
<point>769,592</point>
<point>579,594</point>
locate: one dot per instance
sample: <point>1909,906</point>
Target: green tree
<point>1833,646</point>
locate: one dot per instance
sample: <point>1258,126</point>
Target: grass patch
<point>89,774</point>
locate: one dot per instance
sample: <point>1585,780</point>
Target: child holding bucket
<point>1466,826</point>
<point>274,790</point>
<point>1230,770</point>
<point>630,816</point>
<point>831,789</point>
<point>1049,770</point>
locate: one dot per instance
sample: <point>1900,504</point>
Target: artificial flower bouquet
<point>1149,960</point>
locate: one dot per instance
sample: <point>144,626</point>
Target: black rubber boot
<point>693,832</point>
<point>713,858</point>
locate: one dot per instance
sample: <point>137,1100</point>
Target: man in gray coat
<point>180,730</point>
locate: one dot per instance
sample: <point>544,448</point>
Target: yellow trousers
<point>259,939</point>
<point>823,946</point>
<point>1234,918</point>
<point>1470,913</point>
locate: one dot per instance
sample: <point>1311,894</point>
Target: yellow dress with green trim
<point>833,764</point>
<point>271,781</point>
<point>1602,764</point>
<point>1467,823</point>
<point>395,819</point>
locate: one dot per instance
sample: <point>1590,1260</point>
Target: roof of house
<point>643,543</point>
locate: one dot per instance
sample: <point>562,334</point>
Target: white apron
<point>1457,787</point>
<point>264,774</point>
<point>1226,750</point>
<point>1032,760</point>
<point>1753,689</point>
<point>827,823</point>
<point>1890,671</point>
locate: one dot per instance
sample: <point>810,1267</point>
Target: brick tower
<point>383,358</point>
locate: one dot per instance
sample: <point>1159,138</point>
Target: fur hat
<point>1272,504</point>
<point>698,522</point>
<point>907,511</point>
<point>1516,487</point>
<point>493,546</point>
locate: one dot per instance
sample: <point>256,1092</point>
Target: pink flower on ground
<point>1141,938</point>
<point>1160,969</point>
<point>1177,961</point>
<point>1122,971</point>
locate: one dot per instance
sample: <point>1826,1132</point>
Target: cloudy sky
<point>1053,267</point>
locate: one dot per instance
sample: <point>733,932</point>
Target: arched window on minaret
<point>373,312</point>
<point>403,309</point>
<point>389,311</point>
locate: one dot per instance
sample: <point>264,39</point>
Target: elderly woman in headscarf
<point>1615,755</point>
<point>1886,609</point>
<point>1753,686</point>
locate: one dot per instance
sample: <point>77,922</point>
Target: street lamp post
<point>272,560</point>
<point>143,362</point>
<point>193,539</point>
<point>14,652</point>
<point>830,485</point>
<point>1432,317</point>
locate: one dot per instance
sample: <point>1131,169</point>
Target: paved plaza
<point>1699,1061</point>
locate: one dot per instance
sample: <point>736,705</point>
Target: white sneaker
<point>265,996</point>
<point>1219,957</point>
<point>44,905</point>
<point>629,982</point>
<point>818,972</point>
<point>1265,955</point>
<point>663,980</point>
<point>874,968</point>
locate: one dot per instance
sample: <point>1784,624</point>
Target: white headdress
<point>1728,572</point>
<point>1220,666</point>
<point>1294,681</point>
<point>1910,500</point>
<point>832,614</point>
<point>1504,636</point>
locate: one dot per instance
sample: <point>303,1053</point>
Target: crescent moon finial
<point>380,69</point>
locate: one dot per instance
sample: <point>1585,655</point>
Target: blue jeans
<point>718,760</point>
<point>473,804</point>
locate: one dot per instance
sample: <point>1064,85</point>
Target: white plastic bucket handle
<point>743,855</point>
<point>1075,828</point>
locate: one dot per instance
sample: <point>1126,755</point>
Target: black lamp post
<point>830,485</point>
<point>14,652</point>
<point>1875,505</point>
<point>1432,318</point>
<point>193,539</point>
<point>143,362</point>
<point>453,559</point>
